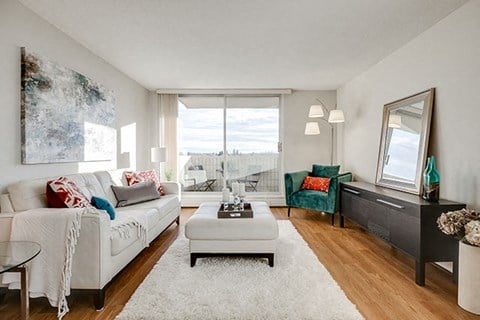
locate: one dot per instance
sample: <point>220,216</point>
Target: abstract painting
<point>65,116</point>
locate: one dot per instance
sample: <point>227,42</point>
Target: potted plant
<point>169,174</point>
<point>465,226</point>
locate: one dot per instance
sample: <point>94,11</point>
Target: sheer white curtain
<point>167,111</point>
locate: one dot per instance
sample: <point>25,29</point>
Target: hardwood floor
<point>377,278</point>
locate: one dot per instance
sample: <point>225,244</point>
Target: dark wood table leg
<point>23,291</point>
<point>420,272</point>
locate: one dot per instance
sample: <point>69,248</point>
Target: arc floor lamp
<point>319,111</point>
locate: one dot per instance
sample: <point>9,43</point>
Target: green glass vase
<point>431,181</point>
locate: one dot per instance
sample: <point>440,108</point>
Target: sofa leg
<point>99,299</point>
<point>270,259</point>
<point>333,219</point>
<point>178,220</point>
<point>289,211</point>
<point>193,259</point>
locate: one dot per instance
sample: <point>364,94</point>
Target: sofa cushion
<point>140,192</point>
<point>63,190</point>
<point>150,216</point>
<point>103,204</point>
<point>163,205</point>
<point>325,171</point>
<point>88,184</point>
<point>107,179</point>
<point>28,194</point>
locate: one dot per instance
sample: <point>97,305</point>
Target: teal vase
<point>431,181</point>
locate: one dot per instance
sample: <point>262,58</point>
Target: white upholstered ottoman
<point>210,236</point>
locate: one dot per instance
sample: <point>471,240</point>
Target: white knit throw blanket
<point>126,223</point>
<point>57,232</point>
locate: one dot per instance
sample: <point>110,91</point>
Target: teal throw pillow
<point>325,171</point>
<point>103,204</point>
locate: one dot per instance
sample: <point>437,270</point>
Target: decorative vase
<point>431,181</point>
<point>468,277</point>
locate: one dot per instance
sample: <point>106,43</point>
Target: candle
<point>235,188</point>
<point>225,195</point>
<point>241,191</point>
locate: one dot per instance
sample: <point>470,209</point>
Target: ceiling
<point>300,44</point>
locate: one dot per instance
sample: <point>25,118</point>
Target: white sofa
<point>100,252</point>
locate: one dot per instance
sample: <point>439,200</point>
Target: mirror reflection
<point>404,142</point>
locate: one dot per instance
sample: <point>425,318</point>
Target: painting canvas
<point>65,116</point>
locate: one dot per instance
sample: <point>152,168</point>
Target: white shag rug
<point>297,287</point>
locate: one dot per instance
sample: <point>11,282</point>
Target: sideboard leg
<point>420,272</point>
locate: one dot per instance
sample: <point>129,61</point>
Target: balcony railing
<point>259,172</point>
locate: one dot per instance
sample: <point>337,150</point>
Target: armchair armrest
<point>334,190</point>
<point>293,182</point>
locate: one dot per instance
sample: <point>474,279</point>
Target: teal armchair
<point>311,199</point>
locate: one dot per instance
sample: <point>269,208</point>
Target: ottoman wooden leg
<point>193,259</point>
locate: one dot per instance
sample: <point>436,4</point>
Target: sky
<point>249,130</point>
<point>403,154</point>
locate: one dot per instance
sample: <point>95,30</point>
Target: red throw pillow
<point>316,183</point>
<point>64,193</point>
<point>142,176</point>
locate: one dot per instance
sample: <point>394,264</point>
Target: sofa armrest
<point>5,226</point>
<point>91,267</point>
<point>171,187</point>
<point>334,190</point>
<point>293,182</point>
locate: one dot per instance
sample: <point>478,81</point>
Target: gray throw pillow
<point>136,193</point>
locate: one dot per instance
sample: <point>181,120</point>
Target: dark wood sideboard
<point>404,220</point>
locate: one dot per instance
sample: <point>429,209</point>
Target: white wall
<point>447,57</point>
<point>301,151</point>
<point>20,27</point>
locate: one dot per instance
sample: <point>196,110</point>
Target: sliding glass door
<point>223,139</point>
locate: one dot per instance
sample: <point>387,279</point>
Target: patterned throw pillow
<point>316,183</point>
<point>142,176</point>
<point>64,193</point>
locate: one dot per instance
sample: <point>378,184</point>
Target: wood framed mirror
<point>404,142</point>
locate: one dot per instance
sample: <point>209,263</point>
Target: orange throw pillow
<point>316,183</point>
<point>142,176</point>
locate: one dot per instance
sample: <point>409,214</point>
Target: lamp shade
<point>336,116</point>
<point>158,154</point>
<point>316,111</point>
<point>311,128</point>
<point>395,121</point>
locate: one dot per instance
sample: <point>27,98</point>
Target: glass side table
<point>13,256</point>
